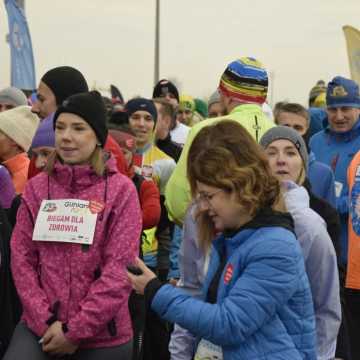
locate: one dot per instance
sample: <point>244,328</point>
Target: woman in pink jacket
<point>77,228</point>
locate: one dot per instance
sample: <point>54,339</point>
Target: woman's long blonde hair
<point>225,156</point>
<point>96,161</point>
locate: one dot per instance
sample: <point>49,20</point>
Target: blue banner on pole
<point>22,59</point>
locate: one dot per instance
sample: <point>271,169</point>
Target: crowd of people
<point>176,228</point>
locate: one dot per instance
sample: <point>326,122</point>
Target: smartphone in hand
<point>134,270</point>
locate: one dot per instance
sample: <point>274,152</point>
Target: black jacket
<point>330,216</point>
<point>169,148</point>
<point>10,308</point>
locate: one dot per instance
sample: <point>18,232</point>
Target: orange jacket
<point>18,168</point>
<point>353,267</point>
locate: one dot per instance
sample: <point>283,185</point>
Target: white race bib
<point>70,220</point>
<point>357,171</point>
<point>208,351</point>
<point>338,188</point>
<point>147,171</point>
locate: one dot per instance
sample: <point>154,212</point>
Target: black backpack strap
<point>138,180</point>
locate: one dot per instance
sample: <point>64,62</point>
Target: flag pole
<point>157,43</point>
<point>21,4</point>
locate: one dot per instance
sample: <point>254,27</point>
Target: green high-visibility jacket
<point>177,193</point>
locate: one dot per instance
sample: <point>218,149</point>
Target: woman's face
<point>285,160</point>
<point>222,207</point>
<point>42,154</point>
<point>75,140</point>
<point>217,109</point>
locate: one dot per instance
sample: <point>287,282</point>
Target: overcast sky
<point>112,41</point>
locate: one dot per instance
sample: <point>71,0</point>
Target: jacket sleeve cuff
<point>70,334</point>
<point>150,290</point>
<point>51,320</point>
<point>39,326</point>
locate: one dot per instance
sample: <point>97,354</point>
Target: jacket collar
<point>17,163</point>
<point>254,108</point>
<point>311,157</point>
<point>296,197</point>
<point>264,218</point>
<point>143,150</point>
<point>165,141</point>
<point>80,176</point>
<point>354,132</point>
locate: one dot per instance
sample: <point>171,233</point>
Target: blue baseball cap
<point>342,92</point>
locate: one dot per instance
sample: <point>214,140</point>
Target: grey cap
<point>13,96</point>
<point>214,98</point>
<point>287,133</point>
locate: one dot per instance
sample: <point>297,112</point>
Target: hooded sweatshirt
<point>90,293</point>
<point>321,268</point>
<point>177,191</point>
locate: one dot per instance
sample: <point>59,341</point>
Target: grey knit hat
<point>287,133</point>
<point>214,98</point>
<point>13,96</point>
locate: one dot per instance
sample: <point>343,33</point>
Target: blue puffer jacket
<point>264,308</point>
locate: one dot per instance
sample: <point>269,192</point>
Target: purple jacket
<point>7,190</point>
<point>90,284</point>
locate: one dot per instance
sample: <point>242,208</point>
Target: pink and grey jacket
<point>83,286</point>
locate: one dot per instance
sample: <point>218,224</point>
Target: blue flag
<point>22,59</point>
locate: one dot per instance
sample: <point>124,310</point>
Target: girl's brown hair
<point>96,161</point>
<point>225,156</point>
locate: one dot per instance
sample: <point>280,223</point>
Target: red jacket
<point>149,197</point>
<point>115,149</point>
<point>46,273</point>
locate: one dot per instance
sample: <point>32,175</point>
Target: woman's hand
<point>139,282</point>
<point>55,342</point>
<point>173,281</point>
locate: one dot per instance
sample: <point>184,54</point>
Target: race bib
<point>147,171</point>
<point>357,174</point>
<point>208,351</point>
<point>70,221</point>
<point>338,188</point>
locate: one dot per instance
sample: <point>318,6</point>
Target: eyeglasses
<point>205,198</point>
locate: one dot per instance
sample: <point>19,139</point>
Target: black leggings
<point>352,310</point>
<point>24,345</point>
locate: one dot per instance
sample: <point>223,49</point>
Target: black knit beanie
<point>65,81</point>
<point>91,108</point>
<point>163,87</point>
